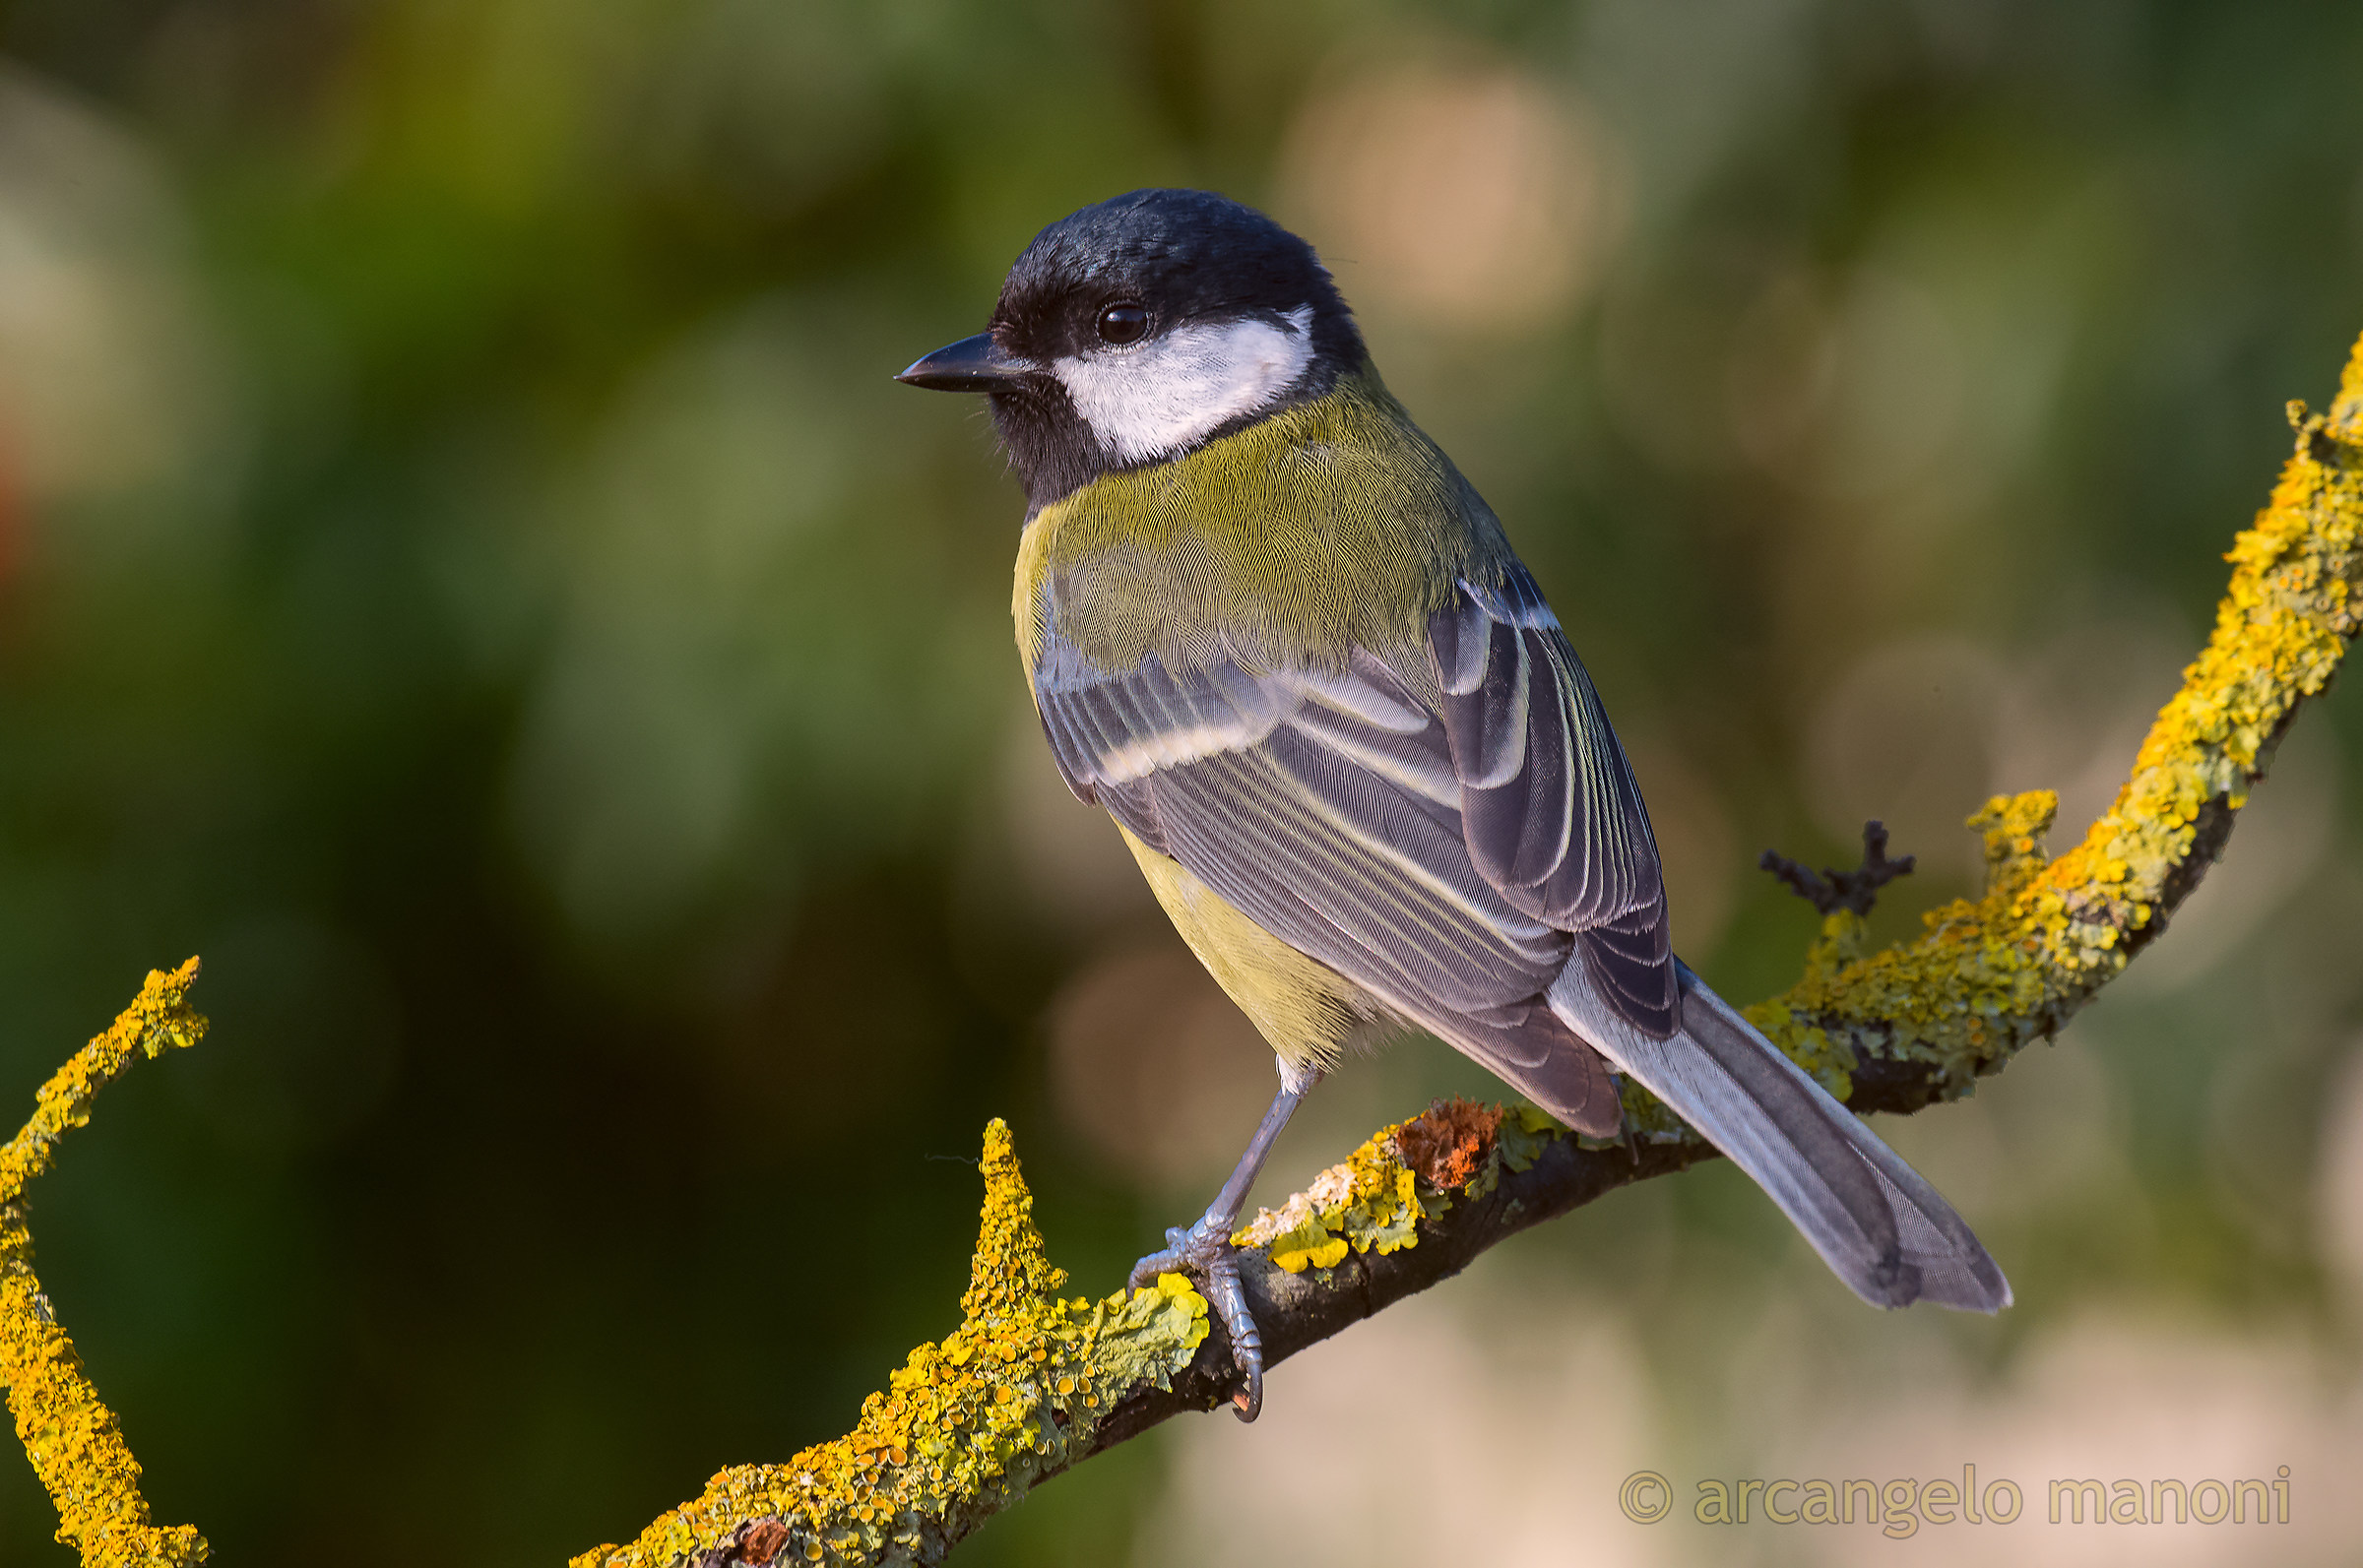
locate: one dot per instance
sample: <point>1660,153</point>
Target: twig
<point>73,1439</point>
<point>1831,890</point>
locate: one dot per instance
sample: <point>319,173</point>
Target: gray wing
<point>1326,808</point>
<point>1550,809</point>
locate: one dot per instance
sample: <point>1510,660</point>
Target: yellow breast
<point>1305,1010</point>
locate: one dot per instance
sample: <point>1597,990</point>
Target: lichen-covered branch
<point>1019,1390</point>
<point>1897,1029</point>
<point>69,1434</point>
<point>1030,1384</point>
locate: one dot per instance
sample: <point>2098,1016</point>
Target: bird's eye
<point>1122,324</point>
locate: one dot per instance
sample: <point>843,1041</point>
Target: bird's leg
<point>1205,1249</point>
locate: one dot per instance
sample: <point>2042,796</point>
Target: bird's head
<point>1138,330</point>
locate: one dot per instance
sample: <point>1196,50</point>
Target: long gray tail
<point>1875,1223</point>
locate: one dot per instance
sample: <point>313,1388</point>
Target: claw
<point>1205,1251</point>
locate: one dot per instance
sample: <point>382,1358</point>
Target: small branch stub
<point>1830,891</point>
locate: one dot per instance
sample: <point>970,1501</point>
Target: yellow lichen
<point>72,1438</point>
<point>1993,973</point>
<point>1520,1136</point>
<point>1372,1201</point>
<point>967,1424</point>
<point>1369,1200</point>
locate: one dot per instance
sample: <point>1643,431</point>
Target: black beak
<point>973,364</point>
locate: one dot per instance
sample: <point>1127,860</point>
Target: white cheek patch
<point>1152,400</point>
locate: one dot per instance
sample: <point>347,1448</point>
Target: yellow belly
<point>1306,1010</point>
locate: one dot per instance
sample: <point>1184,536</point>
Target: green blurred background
<point>465,571</point>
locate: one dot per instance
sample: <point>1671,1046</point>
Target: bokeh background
<point>465,571</point>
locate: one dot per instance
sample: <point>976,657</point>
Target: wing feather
<point>1550,810</point>
<point>1327,814</point>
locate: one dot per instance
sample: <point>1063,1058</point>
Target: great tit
<point>1273,631</point>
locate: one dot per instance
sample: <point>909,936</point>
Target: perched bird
<point>1279,638</point>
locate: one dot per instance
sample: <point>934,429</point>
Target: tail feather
<point>1545,1060</point>
<point>1879,1226</point>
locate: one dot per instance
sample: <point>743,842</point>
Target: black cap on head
<point>1185,255</point>
<point>1090,303</point>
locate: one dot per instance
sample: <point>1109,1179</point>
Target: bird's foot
<point>1205,1250</point>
